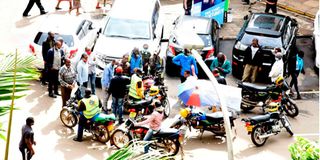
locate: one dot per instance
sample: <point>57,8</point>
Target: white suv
<point>130,23</point>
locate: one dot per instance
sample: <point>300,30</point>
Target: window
<point>40,37</point>
<point>287,35</point>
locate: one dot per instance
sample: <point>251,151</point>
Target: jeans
<point>30,5</point>
<point>92,82</point>
<point>294,82</point>
<point>26,153</point>
<point>117,107</point>
<point>82,122</point>
<point>147,137</point>
<point>106,98</point>
<point>83,88</point>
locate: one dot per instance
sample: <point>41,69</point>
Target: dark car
<point>208,31</point>
<point>272,31</point>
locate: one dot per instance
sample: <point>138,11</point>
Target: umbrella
<point>201,93</point>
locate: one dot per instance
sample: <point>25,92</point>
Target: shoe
<point>43,83</point>
<point>52,95</point>
<point>28,15</point>
<point>58,8</point>
<point>76,139</point>
<point>58,94</point>
<point>43,12</point>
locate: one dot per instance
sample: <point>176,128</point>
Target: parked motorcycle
<point>100,126</point>
<point>212,122</point>
<point>168,139</point>
<point>263,126</point>
<point>255,95</point>
<point>151,80</point>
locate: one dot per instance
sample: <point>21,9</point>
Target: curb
<point>285,7</point>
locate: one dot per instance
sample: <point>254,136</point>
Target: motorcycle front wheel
<point>256,132</point>
<point>171,146</point>
<point>291,108</point>
<point>102,134</point>
<point>119,138</point>
<point>287,125</point>
<point>68,118</point>
<point>167,109</point>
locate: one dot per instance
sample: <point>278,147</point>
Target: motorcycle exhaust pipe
<point>266,135</point>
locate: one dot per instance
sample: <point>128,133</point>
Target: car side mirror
<point>246,17</point>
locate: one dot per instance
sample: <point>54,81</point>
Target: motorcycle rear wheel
<point>256,132</point>
<point>291,108</point>
<point>171,146</point>
<point>167,109</point>
<point>120,139</point>
<point>68,118</point>
<point>102,134</point>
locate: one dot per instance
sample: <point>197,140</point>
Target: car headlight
<point>240,46</point>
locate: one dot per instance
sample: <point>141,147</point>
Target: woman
<point>76,5</point>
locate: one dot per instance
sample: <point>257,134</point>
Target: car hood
<point>116,47</point>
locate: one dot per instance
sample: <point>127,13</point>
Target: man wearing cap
<point>117,89</point>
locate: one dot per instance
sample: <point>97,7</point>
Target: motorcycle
<point>160,93</point>
<point>263,126</point>
<point>256,95</point>
<point>100,126</point>
<point>212,122</point>
<point>168,139</point>
<point>150,80</point>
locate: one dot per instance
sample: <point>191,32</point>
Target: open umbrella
<point>201,93</point>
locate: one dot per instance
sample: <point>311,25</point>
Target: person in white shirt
<point>277,67</point>
<point>82,70</point>
<point>92,69</point>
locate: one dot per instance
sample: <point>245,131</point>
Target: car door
<point>86,35</point>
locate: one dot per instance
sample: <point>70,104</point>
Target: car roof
<point>62,24</point>
<point>264,23</point>
<point>202,25</point>
<point>133,9</point>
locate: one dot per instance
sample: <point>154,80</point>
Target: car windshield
<point>264,41</point>
<point>200,26</point>
<point>40,37</point>
<point>260,22</point>
<point>127,28</point>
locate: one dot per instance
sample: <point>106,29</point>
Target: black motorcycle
<point>212,122</point>
<point>255,95</point>
<point>263,126</point>
<point>168,139</point>
<point>101,126</point>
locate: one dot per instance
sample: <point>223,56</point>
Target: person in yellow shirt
<point>136,90</point>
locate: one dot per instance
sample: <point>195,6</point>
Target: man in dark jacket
<point>252,61</point>
<point>46,45</point>
<point>117,89</point>
<point>271,4</point>
<point>55,61</point>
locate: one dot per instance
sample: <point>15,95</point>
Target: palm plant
<point>15,72</point>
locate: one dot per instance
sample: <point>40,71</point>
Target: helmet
<point>273,107</point>
<point>184,112</point>
<point>119,70</point>
<point>279,80</point>
<point>154,90</point>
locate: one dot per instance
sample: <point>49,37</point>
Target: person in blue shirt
<point>298,69</point>
<point>135,60</point>
<point>221,64</point>
<point>108,74</point>
<point>185,60</point>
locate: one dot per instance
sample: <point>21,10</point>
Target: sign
<point>210,8</point>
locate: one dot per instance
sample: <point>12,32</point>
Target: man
<point>64,46</point>
<point>46,45</point>
<point>124,63</point>
<point>187,5</point>
<point>108,73</point>
<point>117,89</point>
<point>59,1</point>
<point>27,140</point>
<point>222,64</point>
<point>136,90</point>
<point>271,4</point>
<point>252,61</point>
<point>185,60</point>
<point>145,58</point>
<point>189,77</point>
<point>67,79</point>
<point>155,63</point>
<point>54,62</point>
<point>277,67</point>
<point>82,70</point>
<point>135,60</point>
<point>30,5</point>
<point>89,106</point>
<point>297,63</point>
<point>92,69</point>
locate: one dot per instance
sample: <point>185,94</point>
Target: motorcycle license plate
<point>110,127</point>
<point>249,128</point>
<point>132,114</point>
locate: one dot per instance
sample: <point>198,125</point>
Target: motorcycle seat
<point>141,103</point>
<point>168,132</point>
<point>260,118</point>
<point>256,87</point>
<point>217,115</point>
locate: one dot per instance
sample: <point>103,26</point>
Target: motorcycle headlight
<point>240,46</point>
